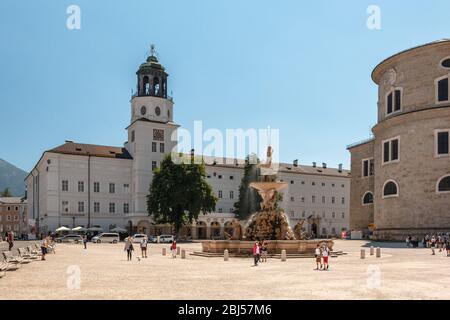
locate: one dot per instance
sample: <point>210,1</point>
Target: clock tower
<point>150,131</point>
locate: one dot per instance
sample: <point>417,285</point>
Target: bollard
<point>163,251</point>
<point>226,255</point>
<point>183,254</point>
<point>378,252</point>
<point>157,239</point>
<point>178,251</point>
<point>371,251</point>
<point>283,255</point>
<point>363,254</point>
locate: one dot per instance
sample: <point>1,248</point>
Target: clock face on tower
<point>143,110</point>
<point>158,135</point>
<point>157,111</point>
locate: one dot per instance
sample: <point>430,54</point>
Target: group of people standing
<point>129,248</point>
<point>260,252</point>
<point>322,254</point>
<point>437,241</point>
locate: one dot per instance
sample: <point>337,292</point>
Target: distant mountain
<point>13,178</point>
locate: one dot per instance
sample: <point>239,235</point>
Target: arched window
<point>156,87</point>
<point>368,198</point>
<point>390,189</point>
<point>442,88</point>
<point>146,86</point>
<point>443,185</point>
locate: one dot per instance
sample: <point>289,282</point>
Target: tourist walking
<point>407,240</point>
<point>144,243</point>
<point>44,246</point>
<point>447,247</point>
<point>85,241</point>
<point>129,247</point>
<point>10,240</point>
<point>325,256</point>
<point>433,244</point>
<point>256,252</point>
<point>173,248</point>
<point>318,256</point>
<point>264,251</point>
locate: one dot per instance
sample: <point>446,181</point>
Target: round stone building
<point>401,177</point>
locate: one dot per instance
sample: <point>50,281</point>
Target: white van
<point>106,237</point>
<point>137,238</point>
<point>165,238</point>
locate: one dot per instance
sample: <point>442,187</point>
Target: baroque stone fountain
<point>270,224</point>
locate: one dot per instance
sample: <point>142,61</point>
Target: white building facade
<point>91,185</point>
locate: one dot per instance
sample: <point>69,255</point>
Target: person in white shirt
<point>318,256</point>
<point>144,242</point>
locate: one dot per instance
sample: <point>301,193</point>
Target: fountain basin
<point>274,246</point>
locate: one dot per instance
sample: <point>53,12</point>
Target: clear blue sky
<point>301,67</point>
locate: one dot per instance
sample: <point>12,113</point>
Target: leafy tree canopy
<point>179,193</point>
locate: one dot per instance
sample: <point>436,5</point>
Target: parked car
<point>70,238</point>
<point>107,237</point>
<point>166,238</point>
<point>138,237</point>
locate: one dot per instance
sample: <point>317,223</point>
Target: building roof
<point>81,149</point>
<point>283,167</point>
<point>375,70</point>
<point>12,200</point>
<point>360,143</point>
<point>154,121</point>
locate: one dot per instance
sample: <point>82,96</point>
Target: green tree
<point>5,193</point>
<point>179,193</point>
<point>249,198</point>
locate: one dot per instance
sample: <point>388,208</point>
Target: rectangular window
<point>343,200</point>
<point>161,147</point>
<point>153,146</point>
<point>96,187</point>
<point>313,199</point>
<point>367,167</point>
<point>154,165</point>
<point>126,208</point>
<point>394,149</point>
<point>231,177</point>
<point>220,194</point>
<point>65,185</point>
<point>231,195</point>
<point>386,156</point>
<point>333,200</point>
<point>126,187</point>
<point>443,142</point>
<point>96,207</point>
<point>343,215</point>
<point>80,186</point>
<point>398,100</point>
<point>443,90</point>
<point>391,150</point>
<point>389,103</point>
<point>112,207</point>
<point>8,218</point>
<point>323,199</point>
<point>333,215</point>
<point>80,206</point>
<point>220,210</point>
<point>292,199</point>
<point>112,188</point>
<point>65,206</point>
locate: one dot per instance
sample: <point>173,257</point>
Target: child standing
<point>173,247</point>
<point>325,255</point>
